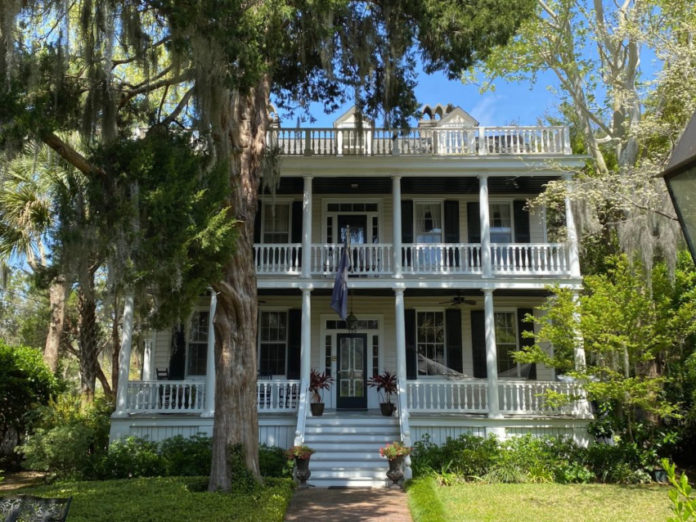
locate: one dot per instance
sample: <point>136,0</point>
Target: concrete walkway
<point>348,505</point>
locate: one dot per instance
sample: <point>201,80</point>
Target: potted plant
<point>395,453</point>
<point>386,387</point>
<point>301,454</point>
<point>318,381</point>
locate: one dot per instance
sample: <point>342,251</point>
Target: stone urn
<point>302,472</point>
<point>396,473</point>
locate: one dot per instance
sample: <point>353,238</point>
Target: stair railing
<point>404,427</point>
<point>302,413</point>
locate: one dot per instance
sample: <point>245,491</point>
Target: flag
<point>339,296</point>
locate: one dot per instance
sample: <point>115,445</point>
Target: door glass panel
<point>358,354</point>
<point>345,388</point>
<point>345,355</point>
<point>358,387</point>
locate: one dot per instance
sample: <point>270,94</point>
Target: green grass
<point>167,499</point>
<point>537,502</point>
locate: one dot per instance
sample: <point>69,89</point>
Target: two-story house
<point>447,260</point>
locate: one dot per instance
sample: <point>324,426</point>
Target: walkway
<point>348,505</point>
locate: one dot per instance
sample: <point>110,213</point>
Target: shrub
<point>69,439</point>
<point>187,456</point>
<point>132,457</point>
<point>25,383</point>
<point>273,462</point>
<point>621,463</point>
<point>468,456</point>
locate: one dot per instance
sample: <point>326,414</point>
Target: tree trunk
<point>56,298</point>
<point>236,419</point>
<point>87,308</point>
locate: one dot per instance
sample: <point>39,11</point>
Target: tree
<point>108,67</point>
<point>635,337</point>
<point>594,50</point>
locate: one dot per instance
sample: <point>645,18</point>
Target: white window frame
<point>273,309</point>
<point>278,201</point>
<point>510,206</point>
<point>515,326</point>
<point>369,239</point>
<point>444,326</point>
<point>187,334</point>
<point>440,202</point>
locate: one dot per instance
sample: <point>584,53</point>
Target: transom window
<point>430,332</point>
<point>197,346</point>
<point>276,223</point>
<point>501,222</point>
<point>273,342</point>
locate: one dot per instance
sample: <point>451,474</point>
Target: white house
<point>447,260</point>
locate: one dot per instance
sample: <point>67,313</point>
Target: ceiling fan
<point>459,299</point>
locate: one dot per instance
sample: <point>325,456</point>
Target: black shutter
<point>406,229</point>
<point>453,325</point>
<point>451,221</point>
<point>521,221</point>
<point>296,230</point>
<point>473,219</point>
<point>411,352</point>
<point>478,343</point>
<point>257,222</point>
<point>526,341</point>
<point>294,342</point>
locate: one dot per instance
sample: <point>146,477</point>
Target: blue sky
<point>510,103</point>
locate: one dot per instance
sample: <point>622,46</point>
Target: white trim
<point>325,214</point>
<point>265,309</point>
<point>187,330</point>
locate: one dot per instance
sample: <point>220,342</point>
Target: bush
<point>621,464</point>
<point>187,457</point>
<point>467,456</point>
<point>273,462</point>
<point>69,439</point>
<point>132,457</point>
<point>25,383</point>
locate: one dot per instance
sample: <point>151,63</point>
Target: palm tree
<point>27,220</point>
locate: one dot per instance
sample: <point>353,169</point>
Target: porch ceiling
<point>410,292</point>
<point>415,185</point>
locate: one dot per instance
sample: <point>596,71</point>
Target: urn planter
<point>396,473</point>
<point>302,472</point>
<point>317,409</point>
<point>387,408</point>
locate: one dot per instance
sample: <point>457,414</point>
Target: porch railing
<point>460,141</point>
<point>443,395</point>
<point>530,258</point>
<point>277,396</point>
<point>367,259</point>
<point>529,397</point>
<point>442,258</point>
<point>277,258</point>
<point>166,396</point>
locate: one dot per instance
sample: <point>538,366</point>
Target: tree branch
<point>175,113</point>
<point>69,154</point>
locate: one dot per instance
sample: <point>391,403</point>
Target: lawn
<point>537,502</point>
<point>167,499</point>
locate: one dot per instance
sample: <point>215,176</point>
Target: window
<point>428,222</point>
<point>273,343</point>
<point>197,346</point>
<point>276,223</point>
<point>430,332</point>
<point>506,344</point>
<point>501,222</point>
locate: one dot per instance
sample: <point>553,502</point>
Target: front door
<point>351,372</point>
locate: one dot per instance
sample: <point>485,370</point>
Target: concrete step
<point>347,483</point>
<point>347,465</point>
<point>328,429</point>
<point>352,421</point>
<point>347,455</point>
<point>342,446</point>
<point>348,439</point>
<point>351,474</point>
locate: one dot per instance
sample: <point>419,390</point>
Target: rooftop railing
<point>450,141</point>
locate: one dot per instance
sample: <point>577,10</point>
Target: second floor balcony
<point>378,259</point>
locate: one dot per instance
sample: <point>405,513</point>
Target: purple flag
<point>339,296</point>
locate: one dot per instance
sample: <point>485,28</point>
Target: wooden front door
<point>351,374</point>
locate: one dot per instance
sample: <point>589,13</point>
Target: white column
<point>573,251</point>
<point>485,226</point>
<point>306,332</point>
<point>148,347</point>
<point>400,339</point>
<point>491,355</point>
<point>307,227</point>
<point>210,360</point>
<point>396,240</point>
<point>579,346</point>
<point>124,357</point>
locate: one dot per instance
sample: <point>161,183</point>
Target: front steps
<point>347,449</point>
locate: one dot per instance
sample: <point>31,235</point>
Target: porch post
<point>306,332</point>
<point>400,339</point>
<point>124,357</point>
<point>579,347</point>
<point>485,226</point>
<point>396,212</point>
<point>573,252</point>
<point>149,346</point>
<point>491,355</point>
<point>307,227</point>
<point>210,360</point>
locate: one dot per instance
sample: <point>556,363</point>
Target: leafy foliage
<point>25,384</point>
<point>681,495</point>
